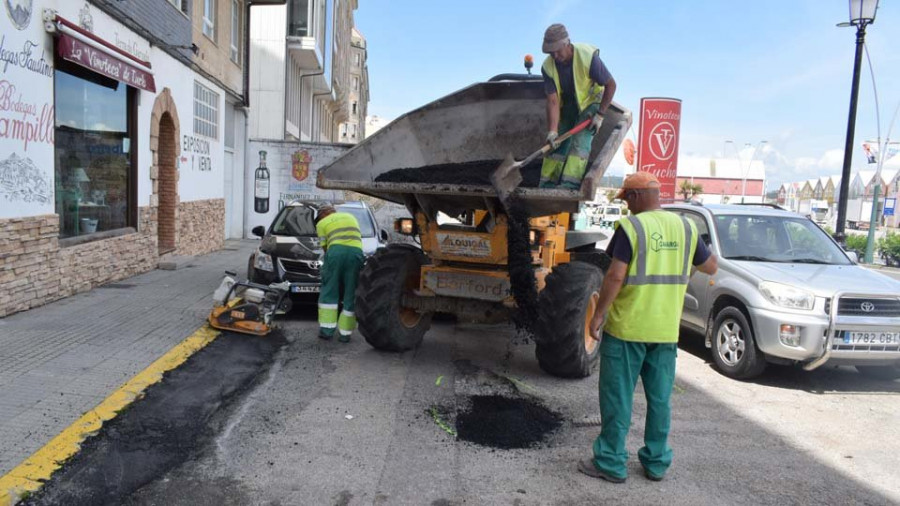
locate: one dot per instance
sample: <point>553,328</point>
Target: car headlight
<point>787,296</point>
<point>263,262</point>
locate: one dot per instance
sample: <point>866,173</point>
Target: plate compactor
<point>248,308</point>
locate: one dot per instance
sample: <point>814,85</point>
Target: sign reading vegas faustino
<point>658,142</point>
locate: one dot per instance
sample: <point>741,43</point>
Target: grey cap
<point>555,38</point>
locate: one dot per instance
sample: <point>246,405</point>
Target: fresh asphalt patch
<point>173,421</point>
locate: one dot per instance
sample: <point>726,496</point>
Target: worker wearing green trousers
<point>578,86</point>
<point>340,237</point>
<point>621,363</point>
<point>639,308</point>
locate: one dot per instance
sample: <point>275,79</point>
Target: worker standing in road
<point>643,291</point>
<point>578,86</point>
<point>340,237</point>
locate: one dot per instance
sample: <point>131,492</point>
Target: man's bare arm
<point>553,113</point>
<point>710,266</point>
<point>609,91</point>
<point>612,284</point>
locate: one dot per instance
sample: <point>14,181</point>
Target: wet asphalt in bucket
<point>468,173</point>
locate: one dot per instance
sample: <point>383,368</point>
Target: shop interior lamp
<point>80,179</point>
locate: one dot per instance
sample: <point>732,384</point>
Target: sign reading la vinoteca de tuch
<point>103,63</point>
<point>658,142</point>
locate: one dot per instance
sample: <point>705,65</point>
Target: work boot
<point>568,185</point>
<point>547,184</point>
<point>324,335</point>
<point>586,466</point>
<point>652,477</point>
<point>344,338</point>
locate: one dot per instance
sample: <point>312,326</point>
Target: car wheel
<point>881,372</point>
<point>734,347</point>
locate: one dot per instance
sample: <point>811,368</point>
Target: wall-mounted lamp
<point>193,47</point>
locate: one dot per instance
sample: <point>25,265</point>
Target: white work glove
<point>596,122</point>
<point>552,135</point>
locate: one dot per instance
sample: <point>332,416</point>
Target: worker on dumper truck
<point>643,291</point>
<point>578,86</point>
<point>340,237</point>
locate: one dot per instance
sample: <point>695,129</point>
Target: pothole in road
<point>492,410</point>
<point>505,422</point>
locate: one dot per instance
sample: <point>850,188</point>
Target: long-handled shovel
<point>508,175</point>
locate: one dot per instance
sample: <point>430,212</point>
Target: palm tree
<point>688,189</point>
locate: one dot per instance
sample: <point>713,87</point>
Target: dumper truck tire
<point>563,345</point>
<point>387,275</point>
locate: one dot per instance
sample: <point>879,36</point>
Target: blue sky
<point>770,69</point>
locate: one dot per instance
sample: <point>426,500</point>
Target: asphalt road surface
<point>305,421</point>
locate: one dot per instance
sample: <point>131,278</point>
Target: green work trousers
<point>565,166</point>
<point>621,362</point>
<point>340,272</point>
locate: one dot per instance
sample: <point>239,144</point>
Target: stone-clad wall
<point>201,226</point>
<point>34,270</point>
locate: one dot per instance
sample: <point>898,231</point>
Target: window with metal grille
<point>206,111</point>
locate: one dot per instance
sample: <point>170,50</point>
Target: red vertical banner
<point>658,138</point>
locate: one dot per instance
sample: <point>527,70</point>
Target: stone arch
<point>165,132</point>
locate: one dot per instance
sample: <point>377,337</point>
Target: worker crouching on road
<point>643,291</point>
<point>341,239</point>
<point>578,86</point>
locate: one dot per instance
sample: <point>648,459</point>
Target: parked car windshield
<point>776,239</point>
<point>299,221</point>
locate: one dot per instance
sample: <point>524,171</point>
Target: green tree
<point>687,189</point>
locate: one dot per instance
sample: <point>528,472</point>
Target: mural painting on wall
<point>19,12</point>
<point>26,114</point>
<point>301,186</point>
<point>21,181</point>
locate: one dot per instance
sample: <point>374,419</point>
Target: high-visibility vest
<point>339,229</point>
<point>587,92</point>
<point>648,307</point>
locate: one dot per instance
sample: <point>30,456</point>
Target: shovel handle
<point>559,140</point>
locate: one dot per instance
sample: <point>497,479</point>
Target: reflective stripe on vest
<point>587,92</point>
<point>641,277</point>
<point>339,229</point>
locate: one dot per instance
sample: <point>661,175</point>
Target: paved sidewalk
<point>62,359</point>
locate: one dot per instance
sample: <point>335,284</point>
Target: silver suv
<point>787,293</point>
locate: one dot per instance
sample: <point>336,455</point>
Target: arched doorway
<point>165,132</point>
<point>167,184</point>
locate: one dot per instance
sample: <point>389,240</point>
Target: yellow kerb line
<point>29,476</point>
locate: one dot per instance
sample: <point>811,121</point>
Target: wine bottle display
<point>261,189</point>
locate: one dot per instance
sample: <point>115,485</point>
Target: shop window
<point>95,173</point>
<point>209,18</point>
<point>206,111</point>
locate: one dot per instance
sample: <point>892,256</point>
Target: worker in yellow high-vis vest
<point>578,86</point>
<point>639,309</point>
<point>340,237</point>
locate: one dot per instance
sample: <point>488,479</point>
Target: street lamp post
<point>741,165</point>
<point>862,14</point>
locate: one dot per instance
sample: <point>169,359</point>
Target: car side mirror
<point>259,231</point>
<point>854,256</point>
<point>383,235</point>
